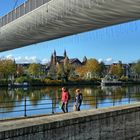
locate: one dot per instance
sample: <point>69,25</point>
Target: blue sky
<point>111,44</point>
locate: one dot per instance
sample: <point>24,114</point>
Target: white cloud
<point>44,61</point>
<point>100,60</point>
<point>10,57</point>
<point>107,60</point>
<point>26,59</point>
<point>34,59</point>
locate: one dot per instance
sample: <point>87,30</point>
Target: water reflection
<point>14,102</point>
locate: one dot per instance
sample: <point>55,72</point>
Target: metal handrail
<point>21,10</point>
<point>26,107</point>
<point>72,98</point>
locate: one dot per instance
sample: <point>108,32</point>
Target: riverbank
<point>68,83</point>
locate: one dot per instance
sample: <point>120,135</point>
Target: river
<point>20,102</point>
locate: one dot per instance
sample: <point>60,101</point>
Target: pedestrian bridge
<point>42,20</point>
<point>118,123</point>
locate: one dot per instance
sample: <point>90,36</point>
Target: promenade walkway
<point>92,124</point>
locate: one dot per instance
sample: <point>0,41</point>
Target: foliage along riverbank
<point>39,82</point>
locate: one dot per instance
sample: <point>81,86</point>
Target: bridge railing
<point>16,109</point>
<point>21,10</point>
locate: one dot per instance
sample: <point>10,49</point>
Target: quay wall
<point>118,123</point>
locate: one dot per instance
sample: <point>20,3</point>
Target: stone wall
<point>118,123</point>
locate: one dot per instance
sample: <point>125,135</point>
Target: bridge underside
<point>59,18</point>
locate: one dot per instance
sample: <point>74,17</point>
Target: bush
<point>22,79</point>
<point>36,82</point>
<point>52,82</point>
<point>3,82</point>
<point>124,78</point>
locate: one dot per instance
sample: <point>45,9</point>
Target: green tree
<point>34,69</point>
<point>60,71</point>
<point>102,69</point>
<point>52,73</point>
<point>136,67</point>
<point>7,68</point>
<point>67,68</point>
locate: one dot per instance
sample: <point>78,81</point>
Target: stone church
<point>55,60</point>
<point>60,59</point>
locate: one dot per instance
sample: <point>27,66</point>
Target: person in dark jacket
<point>78,99</point>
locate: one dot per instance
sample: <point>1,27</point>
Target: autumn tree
<point>19,70</point>
<point>116,70</point>
<point>80,70</point>
<point>93,66</point>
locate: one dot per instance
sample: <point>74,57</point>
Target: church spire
<point>54,53</point>
<point>51,58</point>
<point>54,58</point>
<point>65,53</point>
<point>84,60</point>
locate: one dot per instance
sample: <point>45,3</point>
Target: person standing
<point>64,99</point>
<point>78,99</point>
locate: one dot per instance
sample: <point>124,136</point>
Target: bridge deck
<point>60,18</point>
